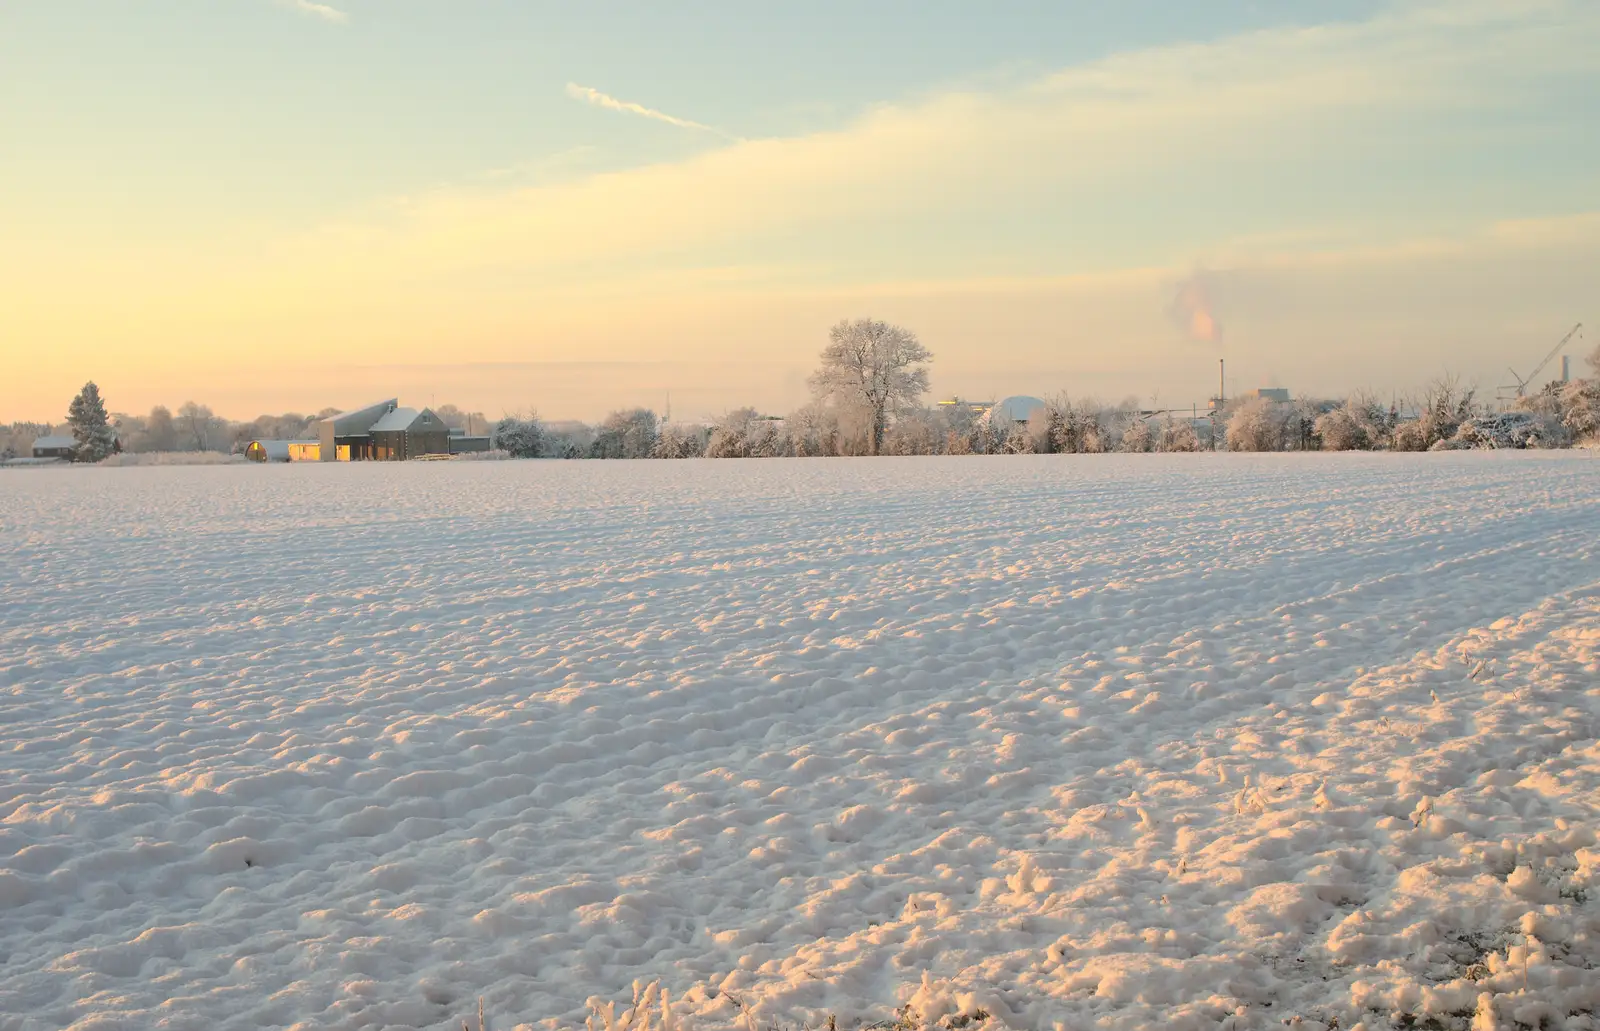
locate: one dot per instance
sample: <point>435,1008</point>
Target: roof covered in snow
<point>360,420</point>
<point>408,419</point>
<point>55,441</point>
<point>399,419</point>
<point>1019,408</point>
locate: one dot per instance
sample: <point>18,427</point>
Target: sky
<point>513,205</point>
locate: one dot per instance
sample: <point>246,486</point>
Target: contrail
<point>323,11</point>
<point>605,100</point>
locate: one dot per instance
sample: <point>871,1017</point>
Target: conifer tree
<point>91,426</point>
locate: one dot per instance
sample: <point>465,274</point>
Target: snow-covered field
<point>1121,742</point>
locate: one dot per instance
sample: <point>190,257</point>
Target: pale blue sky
<point>1023,183</point>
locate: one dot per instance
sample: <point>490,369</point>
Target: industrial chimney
<point>1566,368</point>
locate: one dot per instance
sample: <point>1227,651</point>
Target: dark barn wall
<point>428,442</point>
<point>399,445</point>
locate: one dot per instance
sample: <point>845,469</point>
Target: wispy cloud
<point>324,11</point>
<point>610,103</point>
<point>899,211</point>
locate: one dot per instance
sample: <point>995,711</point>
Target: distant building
<point>55,447</point>
<point>462,442</point>
<point>405,433</point>
<point>975,407</point>
<point>386,432</point>
<point>1015,411</point>
<point>1278,394</point>
<point>282,450</point>
<point>346,437</point>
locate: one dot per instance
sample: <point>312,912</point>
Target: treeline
<point>1445,416</point>
<point>195,427</point>
<point>868,399</point>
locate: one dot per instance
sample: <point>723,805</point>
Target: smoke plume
<point>1191,309</point>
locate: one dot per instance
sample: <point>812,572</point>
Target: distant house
<point>55,447</point>
<point>387,432</point>
<point>347,437</point>
<point>407,433</point>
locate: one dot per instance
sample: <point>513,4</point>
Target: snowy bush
<point>1444,406</point>
<point>521,436</point>
<point>681,442</point>
<point>1359,424</point>
<point>1508,430</point>
<point>1082,427</point>
<point>630,433</point>
<point>1177,435</point>
<point>1259,424</point>
<point>1138,437</point>
<point>1579,409</point>
<point>129,458</point>
<point>918,432</point>
<point>744,433</point>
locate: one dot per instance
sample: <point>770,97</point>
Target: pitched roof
<point>399,419</point>
<point>55,441</point>
<point>360,420</point>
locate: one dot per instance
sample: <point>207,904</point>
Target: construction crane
<point>1523,381</point>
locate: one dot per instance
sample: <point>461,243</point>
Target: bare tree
<point>199,425</point>
<point>873,366</point>
<point>159,433</point>
<point>1442,408</point>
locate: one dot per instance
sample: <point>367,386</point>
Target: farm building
<point>387,432</point>
<point>55,447</point>
<point>282,451</point>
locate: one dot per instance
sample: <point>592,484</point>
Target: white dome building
<point>1013,410</point>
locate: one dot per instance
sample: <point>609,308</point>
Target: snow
<point>1187,741</point>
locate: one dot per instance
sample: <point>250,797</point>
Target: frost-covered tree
<point>1359,424</point>
<point>1139,437</point>
<point>91,426</point>
<point>199,429</point>
<point>520,436</point>
<point>813,430</point>
<point>159,432</point>
<point>1082,427</point>
<point>681,442</point>
<point>629,433</point>
<point>875,368</point>
<point>1441,410</point>
<point>1258,424</point>
<point>743,433</point>
<point>1579,409</point>
<point>1177,435</point>
<point>922,431</point>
